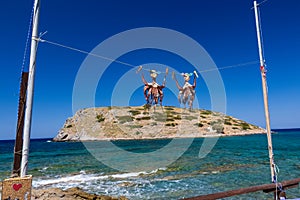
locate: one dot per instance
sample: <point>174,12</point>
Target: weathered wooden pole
<point>20,126</point>
<point>265,94</point>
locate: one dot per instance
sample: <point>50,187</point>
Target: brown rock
<point>69,194</point>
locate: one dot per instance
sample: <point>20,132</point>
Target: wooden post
<point>20,126</point>
<point>265,94</point>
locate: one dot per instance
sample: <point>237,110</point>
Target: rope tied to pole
<point>134,66</point>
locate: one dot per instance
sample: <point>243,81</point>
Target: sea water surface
<point>234,162</point>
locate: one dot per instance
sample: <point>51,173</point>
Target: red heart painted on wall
<point>16,186</point>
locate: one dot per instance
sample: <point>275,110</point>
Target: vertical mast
<point>20,126</point>
<point>30,89</point>
<point>265,93</point>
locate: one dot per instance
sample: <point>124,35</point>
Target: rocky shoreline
<point>124,123</point>
<point>69,194</point>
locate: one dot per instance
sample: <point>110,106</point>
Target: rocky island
<point>139,122</point>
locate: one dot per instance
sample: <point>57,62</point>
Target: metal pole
<point>30,90</point>
<point>265,94</point>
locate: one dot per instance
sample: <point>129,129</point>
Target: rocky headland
<point>113,123</point>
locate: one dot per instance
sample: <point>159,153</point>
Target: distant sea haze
<point>234,162</point>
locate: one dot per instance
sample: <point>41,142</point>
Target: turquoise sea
<point>234,162</point>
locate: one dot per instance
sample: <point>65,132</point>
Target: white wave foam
<point>68,179</point>
<point>84,178</point>
<point>43,169</point>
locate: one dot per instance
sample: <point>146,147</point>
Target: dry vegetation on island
<point>110,123</point>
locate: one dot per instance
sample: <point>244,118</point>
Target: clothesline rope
<point>130,65</point>
<point>86,52</point>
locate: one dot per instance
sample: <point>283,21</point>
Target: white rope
<point>25,51</point>
<point>27,39</point>
<point>130,65</point>
<point>262,2</point>
<point>231,66</point>
<point>221,68</point>
<point>278,184</point>
<point>85,52</point>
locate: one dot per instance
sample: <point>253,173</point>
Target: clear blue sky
<point>225,29</point>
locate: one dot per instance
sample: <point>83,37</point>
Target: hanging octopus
<point>187,91</point>
<point>152,90</point>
